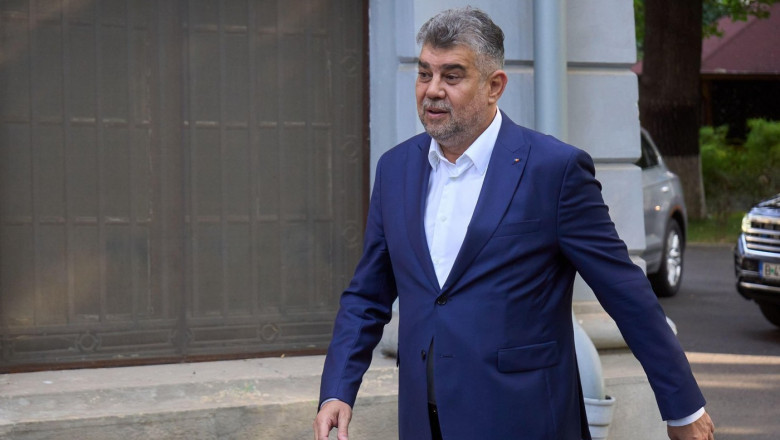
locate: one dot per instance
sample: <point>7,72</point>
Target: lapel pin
<point>517,160</point>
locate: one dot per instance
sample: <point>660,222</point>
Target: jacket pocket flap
<point>529,357</point>
<point>523,227</point>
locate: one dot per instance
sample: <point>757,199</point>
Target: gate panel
<point>176,178</point>
<point>270,246</point>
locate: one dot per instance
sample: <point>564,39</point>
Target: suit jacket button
<point>441,300</point>
<point>422,354</point>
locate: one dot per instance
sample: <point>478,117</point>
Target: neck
<point>452,154</point>
<point>452,149</point>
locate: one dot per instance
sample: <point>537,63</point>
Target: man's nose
<point>434,89</point>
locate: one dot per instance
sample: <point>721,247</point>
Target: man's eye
<point>452,78</point>
<point>423,75</point>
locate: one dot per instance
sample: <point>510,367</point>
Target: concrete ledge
<point>246,399</point>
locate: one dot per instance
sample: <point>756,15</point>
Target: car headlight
<point>745,223</point>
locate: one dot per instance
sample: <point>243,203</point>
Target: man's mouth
<point>438,106</point>
<point>436,112</point>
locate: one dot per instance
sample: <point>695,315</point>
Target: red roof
<point>746,47</point>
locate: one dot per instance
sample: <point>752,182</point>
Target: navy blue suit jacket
<point>505,362</point>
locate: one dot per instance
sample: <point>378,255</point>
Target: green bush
<point>762,158</point>
<point>737,175</point>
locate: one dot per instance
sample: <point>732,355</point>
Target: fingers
<point>321,428</point>
<point>709,426</point>
<point>343,424</point>
<point>323,423</point>
<point>332,414</point>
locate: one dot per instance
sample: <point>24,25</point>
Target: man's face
<point>452,96</point>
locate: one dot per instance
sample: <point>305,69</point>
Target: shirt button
<point>441,300</point>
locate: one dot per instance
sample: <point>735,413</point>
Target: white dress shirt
<point>453,190</point>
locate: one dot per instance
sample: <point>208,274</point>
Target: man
<point>478,226</point>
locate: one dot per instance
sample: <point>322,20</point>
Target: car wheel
<point>667,280</point>
<point>771,312</point>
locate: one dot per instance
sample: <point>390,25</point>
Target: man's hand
<point>333,414</point>
<point>701,429</point>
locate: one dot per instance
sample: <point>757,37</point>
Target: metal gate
<point>177,178</point>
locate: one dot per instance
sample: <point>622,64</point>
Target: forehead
<point>449,57</point>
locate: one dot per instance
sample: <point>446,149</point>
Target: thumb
<point>343,421</point>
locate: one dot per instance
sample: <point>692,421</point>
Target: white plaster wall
<point>602,109</point>
<point>603,113</point>
<point>622,191</point>
<point>601,31</point>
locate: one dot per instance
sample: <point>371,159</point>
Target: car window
<point>649,157</point>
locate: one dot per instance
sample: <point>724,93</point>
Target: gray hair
<point>469,27</point>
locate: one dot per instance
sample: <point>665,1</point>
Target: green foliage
<point>762,158</point>
<point>722,229</point>
<point>717,165</point>
<point>738,10</point>
<point>736,176</point>
<point>639,27</point>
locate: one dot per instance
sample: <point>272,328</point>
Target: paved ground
<point>734,351</point>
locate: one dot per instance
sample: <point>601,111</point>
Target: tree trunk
<point>669,90</point>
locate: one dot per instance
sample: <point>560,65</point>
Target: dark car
<point>665,220</point>
<point>757,258</point>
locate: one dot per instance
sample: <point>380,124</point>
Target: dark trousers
<point>433,415</point>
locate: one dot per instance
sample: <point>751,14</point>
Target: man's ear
<point>497,83</point>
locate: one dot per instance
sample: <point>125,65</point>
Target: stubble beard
<point>455,130</point>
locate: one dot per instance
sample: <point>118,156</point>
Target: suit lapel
<point>418,172</point>
<point>507,163</point>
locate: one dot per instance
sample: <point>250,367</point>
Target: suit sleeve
<point>590,242</point>
<point>365,308</point>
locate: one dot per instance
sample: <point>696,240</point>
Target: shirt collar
<point>477,153</point>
